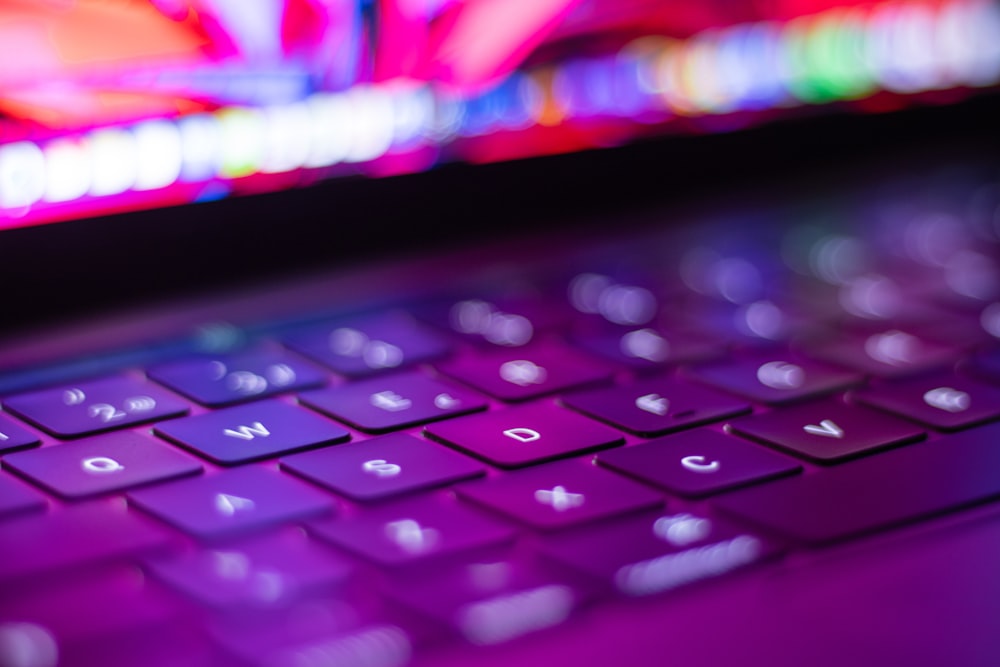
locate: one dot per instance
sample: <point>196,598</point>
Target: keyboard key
<point>494,600</point>
<point>775,379</point>
<point>231,502</point>
<point>95,406</point>
<point>234,379</point>
<point>101,464</point>
<point>523,373</point>
<point>369,345</point>
<point>252,432</point>
<point>523,435</point>
<point>14,437</point>
<point>698,463</point>
<point>828,431</point>
<point>393,401</point>
<point>652,553</point>
<point>561,494</point>
<point>887,353</point>
<point>260,572</point>
<point>876,492</point>
<point>73,536</point>
<point>383,467</point>
<point>946,402</point>
<point>17,498</point>
<point>399,533</point>
<point>656,406</point>
<point>649,349</point>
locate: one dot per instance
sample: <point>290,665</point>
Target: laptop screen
<point>109,106</point>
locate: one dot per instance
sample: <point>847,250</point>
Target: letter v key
<point>826,428</point>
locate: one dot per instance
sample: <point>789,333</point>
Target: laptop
<point>466,332</point>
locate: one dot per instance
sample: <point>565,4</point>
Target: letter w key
<point>248,432</point>
<point>252,432</point>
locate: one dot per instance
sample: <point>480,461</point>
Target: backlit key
<point>394,401</point>
<point>383,467</point>
<point>775,379</point>
<point>876,492</point>
<point>14,437</point>
<point>656,406</point>
<point>74,536</point>
<point>560,494</point>
<point>234,379</point>
<point>524,435</point>
<point>828,431</point>
<point>102,464</point>
<point>944,401</point>
<point>253,431</point>
<point>95,406</point>
<point>698,463</point>
<point>369,345</point>
<point>523,373</point>
<point>232,502</point>
<point>408,532</point>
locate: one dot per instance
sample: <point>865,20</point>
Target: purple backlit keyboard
<point>481,468</point>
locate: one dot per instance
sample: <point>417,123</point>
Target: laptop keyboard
<point>364,489</point>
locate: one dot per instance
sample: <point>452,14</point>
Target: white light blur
<point>585,291</point>
<point>737,280</point>
<point>934,239</point>
<point>762,319</point>
<point>114,154</point>
<point>503,618</point>
<point>873,297</point>
<point>329,115</point>
<point>628,305</point>
<point>645,344</point>
<point>471,316</point>
<point>158,152</point>
<point>373,646</point>
<point>371,123</point>
<point>509,330</point>
<point>287,138</point>
<point>990,319</point>
<point>838,259</point>
<point>673,570</point>
<point>27,645</point>
<point>973,274</point>
<point>68,169</point>
<point>201,147</point>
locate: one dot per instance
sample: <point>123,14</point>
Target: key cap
<point>17,498</point>
<point>232,502</point>
<point>646,349</point>
<point>895,487</point>
<point>775,379</point>
<point>493,600</point>
<point>252,432</point>
<point>652,553</point>
<point>561,494</point>
<point>399,533</point>
<point>367,345</point>
<point>656,406</point>
<point>101,464</point>
<point>95,406</point>
<point>527,372</point>
<point>383,467</point>
<point>266,571</point>
<point>14,437</point>
<point>944,401</point>
<point>698,463</point>
<point>889,353</point>
<point>393,401</point>
<point>523,435</point>
<point>234,379</point>
<point>828,431</point>
<point>33,545</point>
